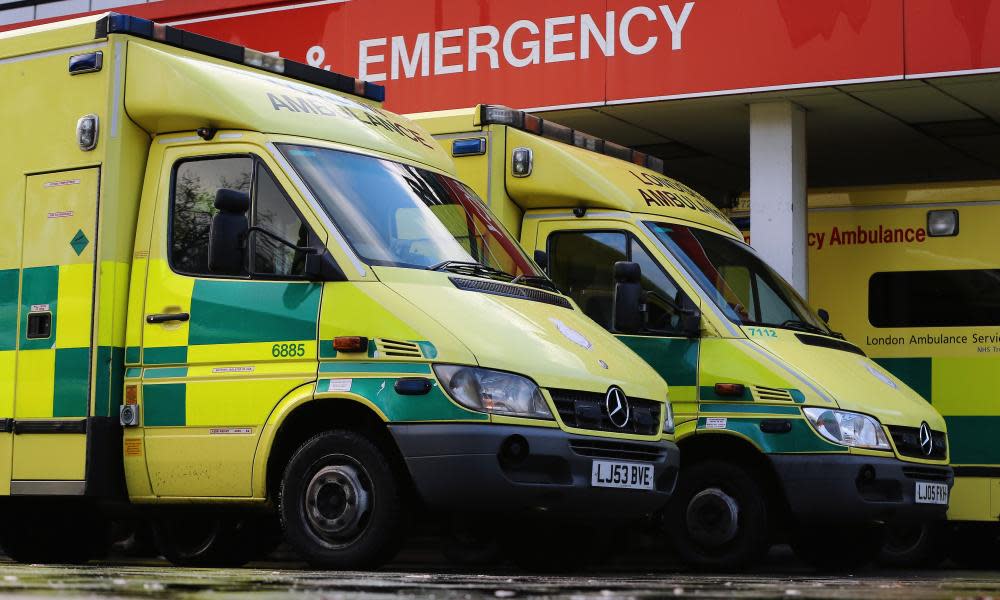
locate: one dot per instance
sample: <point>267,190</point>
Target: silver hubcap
<point>337,502</point>
<point>713,517</point>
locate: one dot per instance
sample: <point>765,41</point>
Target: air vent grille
<point>769,394</point>
<point>825,342</point>
<point>398,348</point>
<point>498,288</point>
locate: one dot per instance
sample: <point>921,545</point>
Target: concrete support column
<point>778,189</point>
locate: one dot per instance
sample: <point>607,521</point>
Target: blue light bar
<point>143,28</point>
<point>468,147</point>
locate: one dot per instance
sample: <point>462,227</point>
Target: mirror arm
<point>282,241</point>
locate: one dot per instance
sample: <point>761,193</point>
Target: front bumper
<point>472,467</point>
<point>854,488</point>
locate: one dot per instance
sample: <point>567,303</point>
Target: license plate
<point>627,475</point>
<point>931,493</point>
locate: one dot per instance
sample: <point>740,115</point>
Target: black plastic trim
<point>497,288</point>
<point>825,342</point>
<point>75,426</point>
<point>977,471</point>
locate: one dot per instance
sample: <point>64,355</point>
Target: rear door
<point>55,318</point>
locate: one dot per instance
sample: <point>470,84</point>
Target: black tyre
<point>342,502</point>
<point>207,540</point>
<point>839,548</point>
<point>914,545</point>
<point>54,534</point>
<point>974,545</point>
<point>717,518</point>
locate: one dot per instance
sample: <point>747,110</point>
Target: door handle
<point>167,317</point>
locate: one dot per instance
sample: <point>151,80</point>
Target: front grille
<point>497,288</point>
<point>926,473</point>
<point>587,410</point>
<point>617,450</point>
<point>766,394</point>
<point>907,440</point>
<point>397,348</point>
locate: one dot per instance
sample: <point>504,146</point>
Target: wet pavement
<point>156,580</point>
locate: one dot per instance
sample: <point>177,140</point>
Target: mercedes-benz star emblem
<point>926,440</point>
<point>616,403</point>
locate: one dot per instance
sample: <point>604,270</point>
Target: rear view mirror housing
<point>690,321</point>
<point>626,313</point>
<point>320,266</point>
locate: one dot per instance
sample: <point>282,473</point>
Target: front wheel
<point>914,545</point>
<point>342,504</point>
<point>718,517</point>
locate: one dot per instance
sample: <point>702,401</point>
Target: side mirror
<point>542,260</point>
<point>823,314</point>
<point>627,310</point>
<point>228,232</point>
<point>320,266</point>
<point>690,322</point>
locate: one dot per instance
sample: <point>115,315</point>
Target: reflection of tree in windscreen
<point>432,192</point>
<point>194,206</point>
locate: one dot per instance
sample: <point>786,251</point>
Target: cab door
<point>221,343</point>
<point>581,264</point>
<point>53,372</point>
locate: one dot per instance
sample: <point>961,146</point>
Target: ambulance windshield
<point>399,215</point>
<point>737,280</point>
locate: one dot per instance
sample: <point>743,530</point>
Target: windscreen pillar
<point>778,189</point>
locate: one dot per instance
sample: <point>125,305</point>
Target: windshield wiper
<point>536,281</point>
<point>465,267</point>
<point>803,326</point>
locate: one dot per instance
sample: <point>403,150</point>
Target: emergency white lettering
<point>525,42</point>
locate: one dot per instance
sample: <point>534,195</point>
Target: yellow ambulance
<point>233,288</point>
<point>787,430</point>
<point>911,273</point>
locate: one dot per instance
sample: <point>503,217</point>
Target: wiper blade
<point>802,326</point>
<point>536,281</point>
<point>465,267</point>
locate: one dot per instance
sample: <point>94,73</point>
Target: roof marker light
<point>86,63</point>
<point>942,223</point>
<point>521,162</point>
<point>263,60</point>
<point>468,147</point>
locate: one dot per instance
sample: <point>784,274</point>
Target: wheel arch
<point>738,450</point>
<point>303,414</point>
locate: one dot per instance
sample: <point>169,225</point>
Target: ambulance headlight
<point>495,392</point>
<point>848,428</point>
<point>668,421</point>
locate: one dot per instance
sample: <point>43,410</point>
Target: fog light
<point>942,223</point>
<point>514,450</point>
<point>522,161</point>
<point>86,132</point>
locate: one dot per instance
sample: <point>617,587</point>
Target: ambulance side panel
<point>925,309</point>
<point>64,263</point>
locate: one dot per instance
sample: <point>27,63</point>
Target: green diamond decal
<point>79,242</point>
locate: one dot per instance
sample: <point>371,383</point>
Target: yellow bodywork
<point>955,368</point>
<point>572,189</point>
<point>213,391</point>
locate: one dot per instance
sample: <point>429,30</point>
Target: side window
<point>196,183</point>
<point>662,294</point>
<point>273,212</point>
<point>582,264</point>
